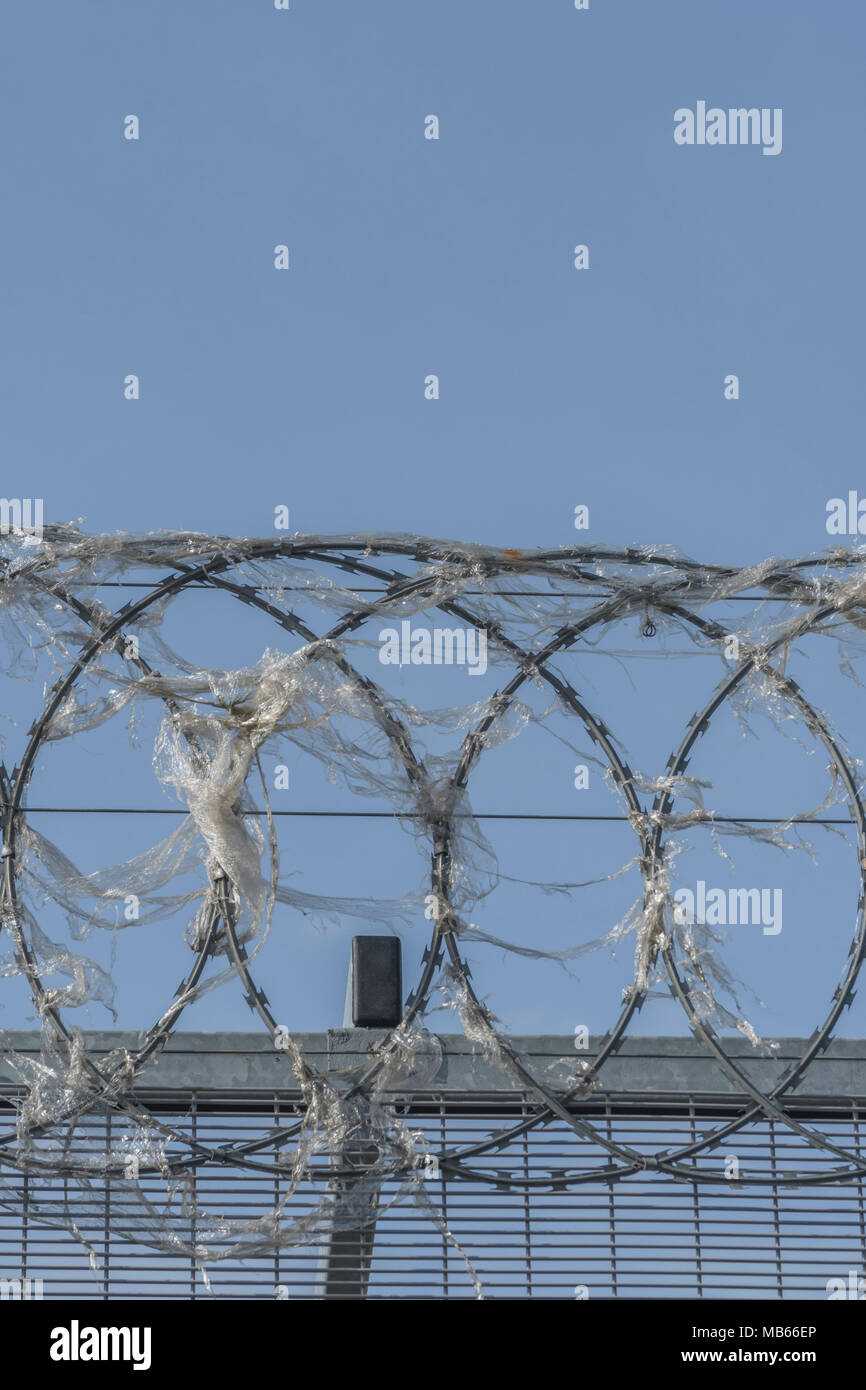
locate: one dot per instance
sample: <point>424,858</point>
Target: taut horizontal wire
<point>471,593</point>
<point>461,815</point>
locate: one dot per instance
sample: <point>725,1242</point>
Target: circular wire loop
<point>462,570</point>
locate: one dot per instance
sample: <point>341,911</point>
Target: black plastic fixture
<point>376,981</point>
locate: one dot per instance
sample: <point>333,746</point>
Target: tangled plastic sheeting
<point>214,728</point>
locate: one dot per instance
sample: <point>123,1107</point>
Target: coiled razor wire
<point>45,603</point>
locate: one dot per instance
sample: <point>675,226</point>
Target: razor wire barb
<point>534,607</point>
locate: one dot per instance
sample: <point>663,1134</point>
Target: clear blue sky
<point>453,257</point>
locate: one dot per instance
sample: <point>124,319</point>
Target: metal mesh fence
<point>647,1235</point>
